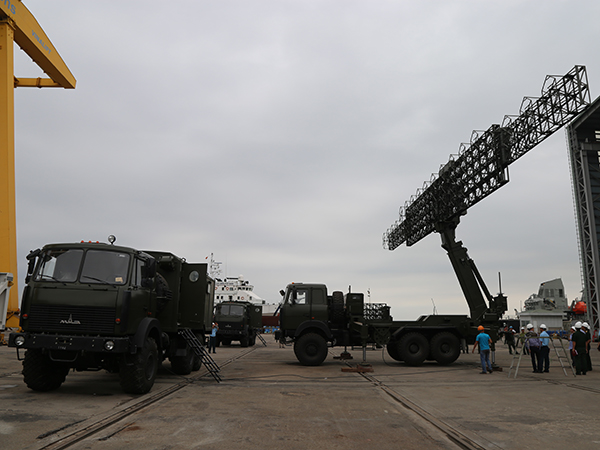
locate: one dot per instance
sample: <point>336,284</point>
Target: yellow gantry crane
<point>17,24</point>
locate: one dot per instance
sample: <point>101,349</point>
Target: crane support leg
<point>8,221</point>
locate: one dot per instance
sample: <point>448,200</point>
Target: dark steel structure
<point>584,154</point>
<point>479,169</point>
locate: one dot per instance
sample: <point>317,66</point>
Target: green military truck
<point>314,320</point>
<point>238,321</point>
<point>92,306</point>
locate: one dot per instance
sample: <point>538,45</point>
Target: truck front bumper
<point>101,344</point>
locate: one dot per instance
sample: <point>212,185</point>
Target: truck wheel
<point>226,341</point>
<point>40,373</point>
<point>183,365</point>
<point>252,341</point>
<point>337,307</point>
<point>445,348</point>
<point>311,349</point>
<point>413,349</point>
<point>244,341</point>
<point>392,349</point>
<point>138,376</point>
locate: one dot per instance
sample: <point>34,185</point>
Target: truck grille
<point>71,319</point>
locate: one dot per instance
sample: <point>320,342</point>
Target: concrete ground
<point>268,400</point>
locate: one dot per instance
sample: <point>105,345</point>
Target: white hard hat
<point>522,328</point>
<point>578,325</point>
<point>543,327</point>
<point>585,324</point>
<point>529,326</point>
<point>572,328</point>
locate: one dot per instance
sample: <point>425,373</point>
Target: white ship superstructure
<point>235,288</point>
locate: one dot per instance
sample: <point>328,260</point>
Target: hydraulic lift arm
<point>471,282</point>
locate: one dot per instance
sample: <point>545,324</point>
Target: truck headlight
<point>19,341</point>
<point>109,345</point>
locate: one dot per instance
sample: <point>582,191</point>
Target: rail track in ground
<point>72,434</point>
<point>119,417</point>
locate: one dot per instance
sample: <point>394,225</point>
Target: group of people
<point>537,346</point>
<point>579,345</point>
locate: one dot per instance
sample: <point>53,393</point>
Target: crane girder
<point>481,167</point>
<point>30,36</point>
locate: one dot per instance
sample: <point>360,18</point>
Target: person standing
<point>571,331</point>
<point>588,359</point>
<point>533,344</point>
<point>522,341</point>
<point>483,340</point>
<point>544,350</point>
<point>509,338</point>
<point>579,350</point>
<point>213,338</point>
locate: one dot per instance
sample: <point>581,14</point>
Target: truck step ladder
<point>262,339</point>
<point>200,350</point>
<point>561,355</point>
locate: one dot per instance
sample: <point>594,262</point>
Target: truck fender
<point>147,327</point>
<point>314,324</point>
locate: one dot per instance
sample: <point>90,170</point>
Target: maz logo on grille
<point>71,321</point>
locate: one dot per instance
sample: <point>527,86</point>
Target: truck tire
<point>138,371</point>
<point>311,349</point>
<point>183,365</point>
<point>252,340</point>
<point>226,341</point>
<point>413,348</point>
<point>337,307</point>
<point>244,341</point>
<point>445,348</point>
<point>42,374</point>
<point>393,351</point>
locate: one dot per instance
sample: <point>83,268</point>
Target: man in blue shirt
<point>483,340</point>
<point>213,338</point>
<point>545,350</point>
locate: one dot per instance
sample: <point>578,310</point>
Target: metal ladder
<point>519,351</point>
<point>200,350</point>
<point>564,357</point>
<point>262,339</point>
<point>561,357</point>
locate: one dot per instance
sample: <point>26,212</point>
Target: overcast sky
<point>283,136</point>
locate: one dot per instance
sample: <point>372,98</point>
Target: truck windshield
<point>105,267</point>
<point>99,266</point>
<point>60,265</point>
<point>231,310</point>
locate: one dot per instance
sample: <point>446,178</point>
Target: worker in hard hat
<point>533,344</point>
<point>544,364</point>
<point>588,359</point>
<point>484,341</point>
<point>522,341</point>
<point>580,349</point>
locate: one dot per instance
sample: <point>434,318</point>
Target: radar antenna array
<point>481,166</point>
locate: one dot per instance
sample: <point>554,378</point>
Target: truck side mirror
<point>31,260</point>
<point>282,293</point>
<point>149,268</point>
